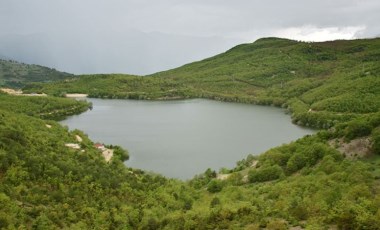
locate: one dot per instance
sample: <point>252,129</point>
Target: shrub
<point>214,202</point>
<point>357,128</point>
<point>214,186</point>
<point>265,174</point>
<point>296,162</point>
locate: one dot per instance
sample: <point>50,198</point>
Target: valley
<point>328,180</point>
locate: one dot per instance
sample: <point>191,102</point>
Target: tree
<point>214,186</point>
<point>214,202</point>
<point>266,173</point>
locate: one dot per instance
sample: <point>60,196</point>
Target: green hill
<point>48,185</point>
<point>42,107</point>
<point>15,74</point>
<point>330,180</point>
<point>317,81</point>
<point>45,184</point>
<point>320,83</point>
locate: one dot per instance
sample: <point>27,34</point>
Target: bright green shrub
<point>214,186</point>
<point>266,173</point>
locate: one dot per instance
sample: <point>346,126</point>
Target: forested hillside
<point>16,75</point>
<point>46,184</point>
<point>53,178</point>
<point>320,83</point>
<point>42,107</point>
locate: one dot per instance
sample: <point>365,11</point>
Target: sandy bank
<point>75,95</point>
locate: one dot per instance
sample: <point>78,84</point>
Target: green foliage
<point>215,186</point>
<point>322,84</point>
<point>307,156</point>
<point>43,107</point>
<point>307,183</point>
<point>121,86</point>
<point>265,173</point>
<point>119,153</point>
<point>376,140</point>
<point>15,74</point>
<point>45,185</point>
<point>214,202</point>
<point>359,127</point>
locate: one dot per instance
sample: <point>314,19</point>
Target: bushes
<point>350,102</point>
<point>41,180</point>
<point>274,156</point>
<point>305,152</point>
<point>63,188</point>
<point>357,128</point>
<point>309,155</point>
<point>214,186</point>
<point>120,153</point>
<point>43,107</point>
<point>296,162</point>
<point>327,78</point>
<point>376,140</point>
<point>214,202</point>
<point>360,127</point>
<point>360,214</point>
<point>265,174</point>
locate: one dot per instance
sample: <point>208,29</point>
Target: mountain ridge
<point>17,74</point>
<point>306,184</point>
<point>314,81</point>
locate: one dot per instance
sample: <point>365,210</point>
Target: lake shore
<point>76,95</point>
<point>189,135</point>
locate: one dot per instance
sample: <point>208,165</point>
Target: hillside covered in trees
<point>324,181</point>
<point>320,83</point>
<point>15,74</point>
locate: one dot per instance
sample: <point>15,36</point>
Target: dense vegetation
<point>45,184</point>
<point>43,107</point>
<point>16,75</point>
<point>320,83</point>
<point>327,180</point>
<point>306,183</point>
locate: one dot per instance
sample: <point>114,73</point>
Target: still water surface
<point>182,138</point>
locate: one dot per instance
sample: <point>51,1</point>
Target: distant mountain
<point>16,74</point>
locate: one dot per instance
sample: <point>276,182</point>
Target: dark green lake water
<point>182,138</point>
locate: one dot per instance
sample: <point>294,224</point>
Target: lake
<point>180,139</point>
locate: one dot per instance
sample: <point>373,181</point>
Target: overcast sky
<point>145,36</point>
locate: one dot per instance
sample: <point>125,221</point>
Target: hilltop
<point>320,83</point>
<point>15,74</point>
<point>51,179</point>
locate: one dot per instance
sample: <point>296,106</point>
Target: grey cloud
<point>133,52</point>
<point>141,36</point>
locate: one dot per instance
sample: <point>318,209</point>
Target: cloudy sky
<point>145,36</point>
